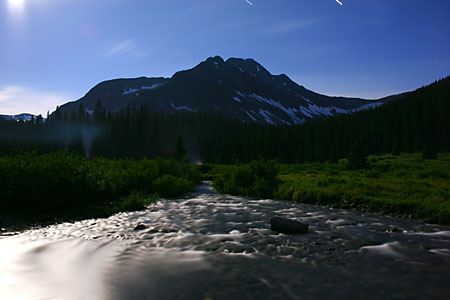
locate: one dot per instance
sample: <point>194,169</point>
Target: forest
<point>417,122</point>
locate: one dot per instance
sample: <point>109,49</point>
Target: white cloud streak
<point>289,26</point>
<point>436,32</point>
<point>340,3</point>
<point>15,99</point>
<point>127,47</point>
<point>249,2</point>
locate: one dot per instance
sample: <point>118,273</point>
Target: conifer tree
<point>429,152</point>
<point>179,152</point>
<point>357,158</point>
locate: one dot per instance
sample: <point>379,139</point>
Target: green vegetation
<point>404,185</point>
<point>257,179</point>
<point>64,183</point>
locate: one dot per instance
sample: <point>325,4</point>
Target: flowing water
<point>213,246</point>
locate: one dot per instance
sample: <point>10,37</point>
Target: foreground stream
<point>213,246</point>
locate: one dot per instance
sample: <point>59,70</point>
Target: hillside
<point>235,88</point>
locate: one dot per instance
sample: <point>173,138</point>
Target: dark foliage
<point>179,152</point>
<point>66,181</point>
<point>257,179</point>
<point>357,158</point>
<point>429,152</point>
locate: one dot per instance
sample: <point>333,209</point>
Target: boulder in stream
<point>140,227</point>
<point>287,226</point>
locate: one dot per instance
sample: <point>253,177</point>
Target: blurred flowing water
<point>213,246</point>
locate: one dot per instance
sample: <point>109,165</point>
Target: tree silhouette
<point>179,152</point>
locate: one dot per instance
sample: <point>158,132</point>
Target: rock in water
<point>287,226</point>
<point>140,227</point>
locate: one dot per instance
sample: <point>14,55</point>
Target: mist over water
<point>221,247</point>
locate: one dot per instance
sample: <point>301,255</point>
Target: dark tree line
<point>417,122</point>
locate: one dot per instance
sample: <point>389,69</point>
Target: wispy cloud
<point>249,2</point>
<point>293,25</point>
<point>437,33</point>
<point>127,47</point>
<point>382,11</point>
<point>15,99</point>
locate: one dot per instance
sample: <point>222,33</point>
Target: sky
<point>54,51</point>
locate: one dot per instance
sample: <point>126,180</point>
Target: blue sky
<point>54,51</point>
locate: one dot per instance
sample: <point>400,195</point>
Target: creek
<point>211,246</point>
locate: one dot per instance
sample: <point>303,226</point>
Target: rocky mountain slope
<point>236,88</point>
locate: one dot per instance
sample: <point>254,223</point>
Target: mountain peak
<point>237,88</point>
<point>216,61</point>
<point>216,58</point>
<point>248,65</point>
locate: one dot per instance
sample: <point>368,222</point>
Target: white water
<point>221,247</point>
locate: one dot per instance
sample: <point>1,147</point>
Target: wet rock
<point>140,227</point>
<point>393,229</point>
<point>288,226</point>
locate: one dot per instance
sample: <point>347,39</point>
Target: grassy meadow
<point>404,185</point>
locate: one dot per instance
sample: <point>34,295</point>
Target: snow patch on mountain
<point>21,117</point>
<point>367,106</point>
<point>150,87</point>
<point>130,91</point>
<point>291,112</point>
<point>250,115</point>
<point>183,107</point>
<point>306,112</point>
<point>240,94</point>
<point>267,116</point>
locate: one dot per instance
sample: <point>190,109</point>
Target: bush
<point>65,181</point>
<point>357,158</point>
<point>171,186</point>
<point>136,201</point>
<point>257,179</point>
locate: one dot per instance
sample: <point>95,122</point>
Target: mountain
<point>20,117</point>
<point>237,88</point>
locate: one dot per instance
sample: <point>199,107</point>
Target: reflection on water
<point>212,246</point>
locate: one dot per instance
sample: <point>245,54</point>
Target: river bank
<point>403,185</point>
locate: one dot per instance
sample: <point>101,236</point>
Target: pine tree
<point>332,158</point>
<point>179,152</point>
<point>429,152</point>
<point>395,150</point>
<point>357,158</point>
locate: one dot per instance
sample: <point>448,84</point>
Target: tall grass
<point>406,185</point>
<point>68,182</point>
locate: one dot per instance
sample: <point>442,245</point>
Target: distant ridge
<point>20,117</point>
<point>237,88</point>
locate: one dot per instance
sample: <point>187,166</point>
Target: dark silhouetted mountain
<point>236,88</point>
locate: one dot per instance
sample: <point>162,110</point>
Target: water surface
<point>213,246</point>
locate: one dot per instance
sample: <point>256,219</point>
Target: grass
<point>46,188</point>
<point>405,185</point>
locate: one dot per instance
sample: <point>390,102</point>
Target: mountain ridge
<point>237,88</point>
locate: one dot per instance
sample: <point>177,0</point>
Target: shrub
<point>258,179</point>
<point>171,186</point>
<point>357,158</point>
<point>65,181</point>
